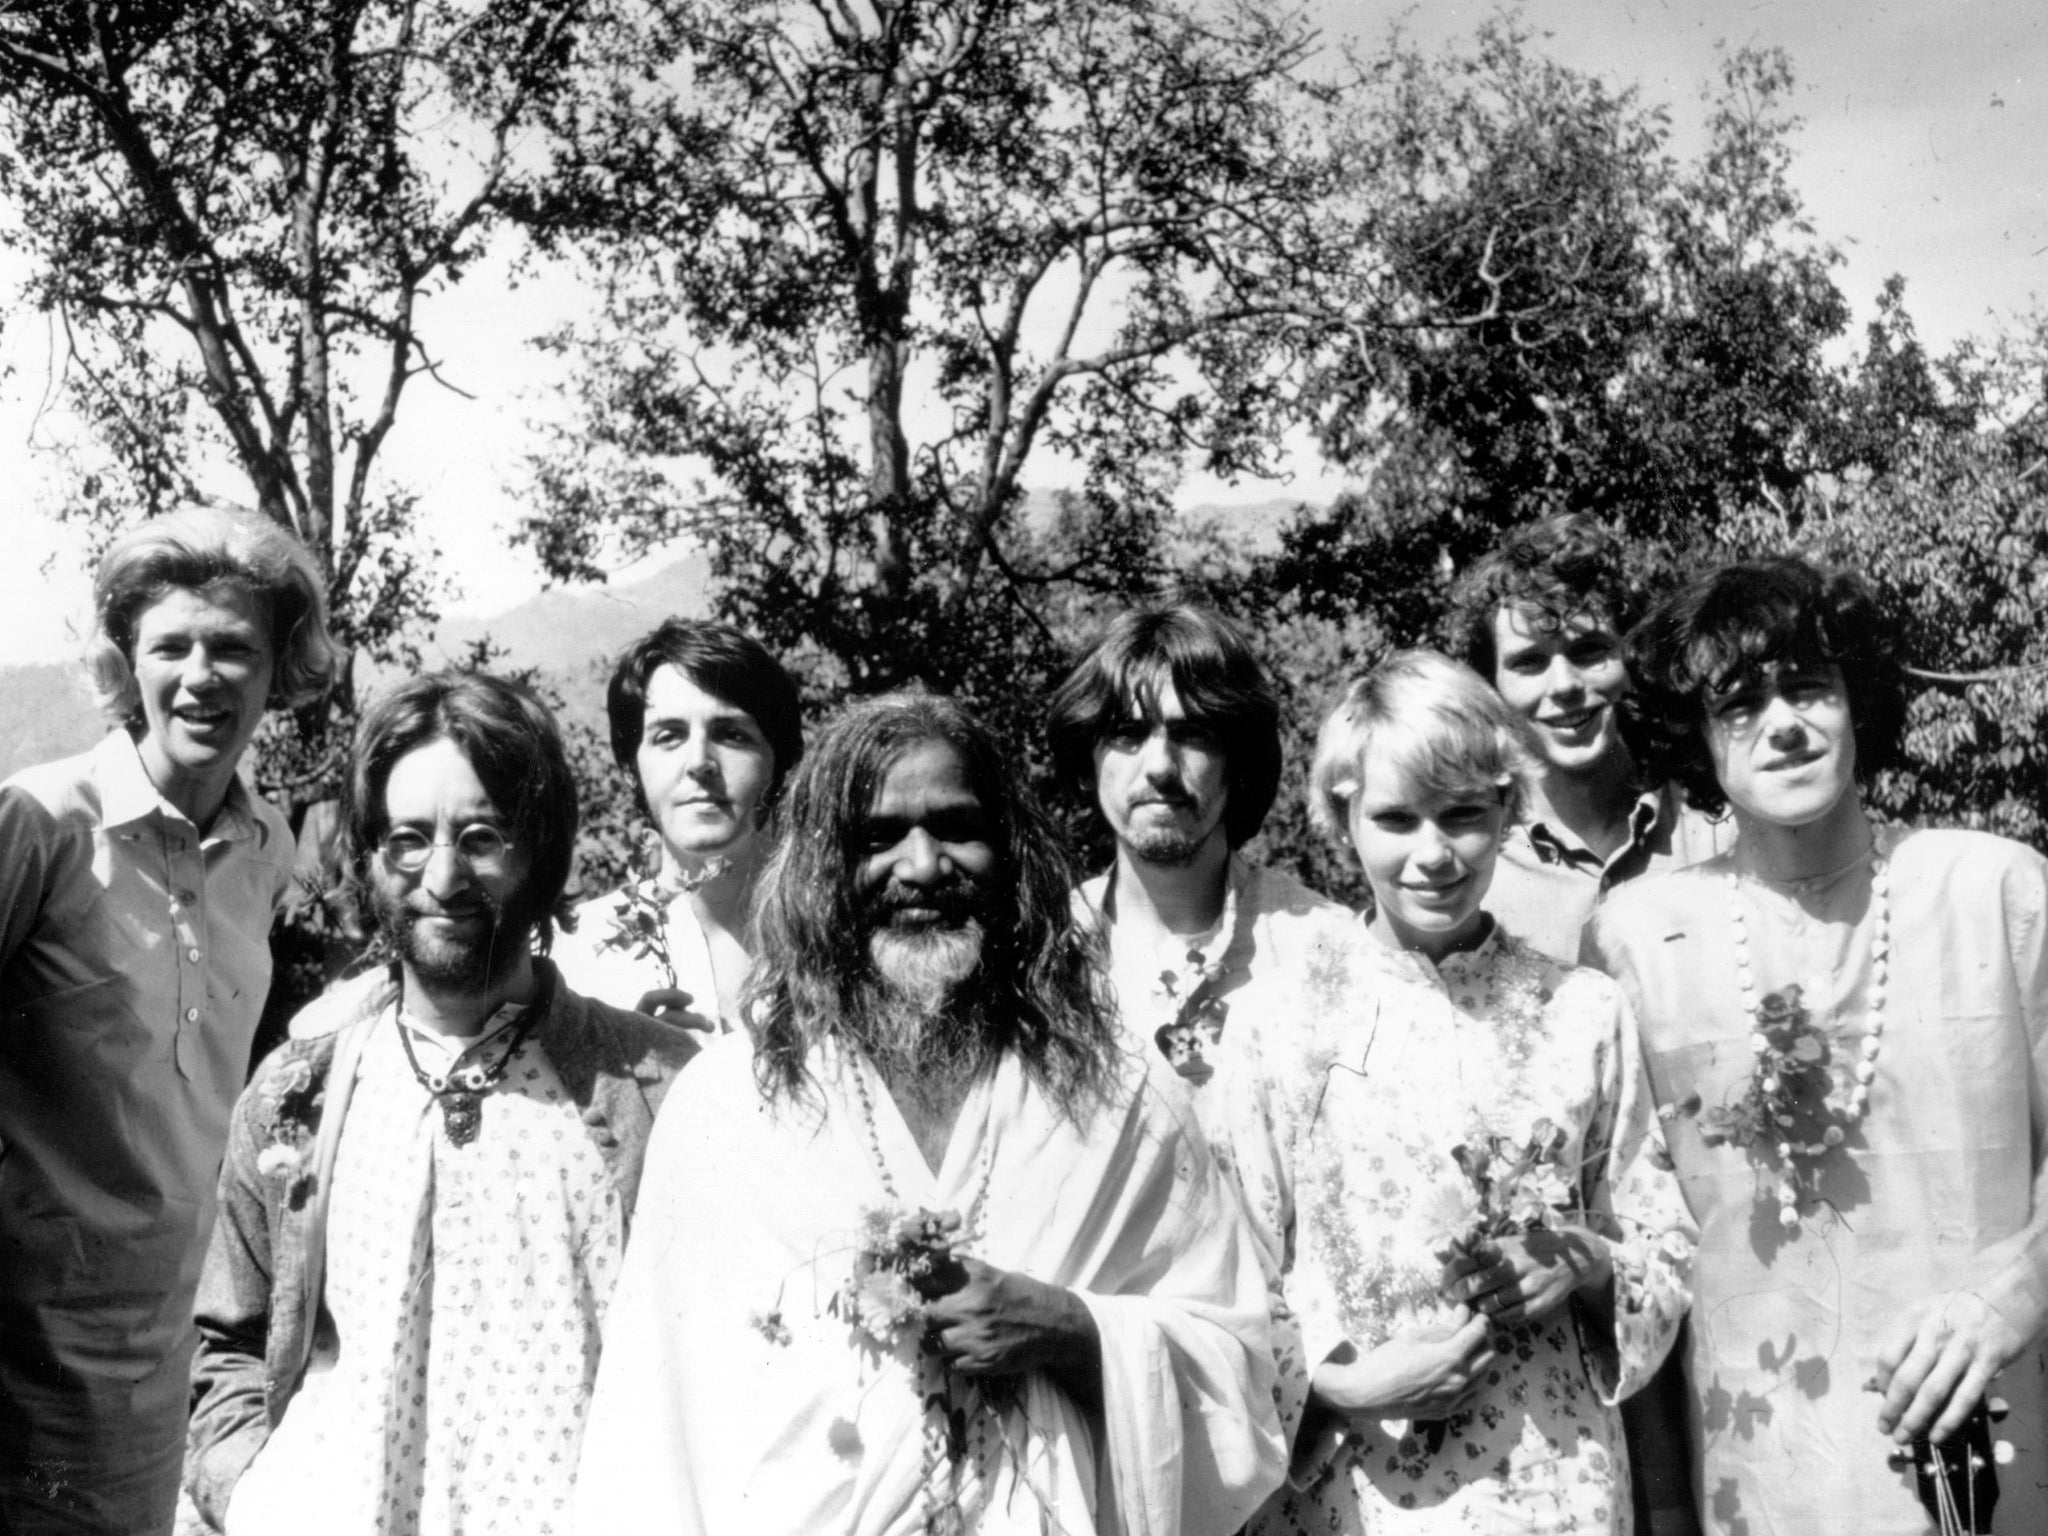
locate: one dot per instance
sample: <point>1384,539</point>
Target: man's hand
<point>1428,1372</point>
<point>1936,1363</point>
<point>672,1006</point>
<point>1514,1280</point>
<point>1001,1323</point>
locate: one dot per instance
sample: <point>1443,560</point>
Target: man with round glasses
<point>427,1189</point>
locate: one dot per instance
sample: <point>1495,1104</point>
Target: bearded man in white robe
<point>927,1250</point>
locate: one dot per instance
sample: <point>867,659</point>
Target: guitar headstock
<point>1958,1480</point>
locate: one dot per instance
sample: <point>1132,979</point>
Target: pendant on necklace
<point>462,1112</point>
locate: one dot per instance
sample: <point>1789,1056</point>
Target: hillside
<point>567,634</point>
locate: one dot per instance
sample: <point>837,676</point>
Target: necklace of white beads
<point>951,1462</point>
<point>1850,1112</point>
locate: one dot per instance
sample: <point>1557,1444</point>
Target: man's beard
<point>469,963</point>
<point>915,1014</point>
<point>1166,847</point>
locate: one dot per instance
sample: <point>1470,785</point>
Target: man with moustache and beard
<point>929,1251</point>
<point>426,1193</point>
<point>1169,728</point>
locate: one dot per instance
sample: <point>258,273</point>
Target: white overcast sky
<point>1920,155</point>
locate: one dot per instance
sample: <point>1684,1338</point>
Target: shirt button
<point>191,1015</point>
<point>192,954</point>
<point>187,897</point>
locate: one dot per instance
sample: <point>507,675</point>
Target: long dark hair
<point>1040,987</point>
<point>1220,683</point>
<point>1725,627</point>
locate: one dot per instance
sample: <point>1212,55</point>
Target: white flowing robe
<point>732,1400</point>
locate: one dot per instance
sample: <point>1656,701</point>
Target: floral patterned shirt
<point>1366,1115</point>
<point>467,1287</point>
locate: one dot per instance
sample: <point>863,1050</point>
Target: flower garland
<point>1801,1098</point>
<point>1187,993</point>
<point>293,1097</point>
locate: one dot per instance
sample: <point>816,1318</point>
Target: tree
<point>1659,356</point>
<point>235,212</point>
<point>1660,359</point>
<point>881,255</point>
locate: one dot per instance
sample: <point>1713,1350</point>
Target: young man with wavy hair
<point>1168,727</point>
<point>427,1189</point>
<point>1846,1023</point>
<point>1541,618</point>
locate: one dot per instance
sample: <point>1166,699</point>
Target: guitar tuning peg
<point>2002,1453</point>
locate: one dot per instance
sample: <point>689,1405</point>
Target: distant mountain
<point>566,633</point>
<point>563,628</point>
<point>45,712</point>
<point>1249,527</point>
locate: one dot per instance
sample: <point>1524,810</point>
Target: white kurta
<point>1938,1187</point>
<point>467,1286</point>
<point>746,1227</point>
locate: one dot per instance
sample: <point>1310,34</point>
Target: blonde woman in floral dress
<point>1461,1382</point>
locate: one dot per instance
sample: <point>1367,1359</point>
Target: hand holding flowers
<point>903,1260</point>
<point>1511,1252</point>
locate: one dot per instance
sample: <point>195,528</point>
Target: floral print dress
<point>1489,1044</point>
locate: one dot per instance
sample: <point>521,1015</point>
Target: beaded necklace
<point>956,1439</point>
<point>460,1090</point>
<point>860,1069</point>
<point>1767,1075</point>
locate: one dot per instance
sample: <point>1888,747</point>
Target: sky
<point>1920,156</point>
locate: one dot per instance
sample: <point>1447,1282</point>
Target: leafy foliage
<point>877,258</point>
<point>234,213</point>
<point>1666,370</point>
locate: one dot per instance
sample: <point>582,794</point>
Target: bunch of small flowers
<point>1792,1107</point>
<point>1508,1188</point>
<point>1196,1015</point>
<point>293,1097</point>
<point>903,1259</point>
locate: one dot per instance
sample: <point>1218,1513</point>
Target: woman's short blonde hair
<point>1432,718</point>
<point>194,549</point>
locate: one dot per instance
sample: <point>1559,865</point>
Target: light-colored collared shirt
<point>134,962</point>
<point>1547,882</point>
